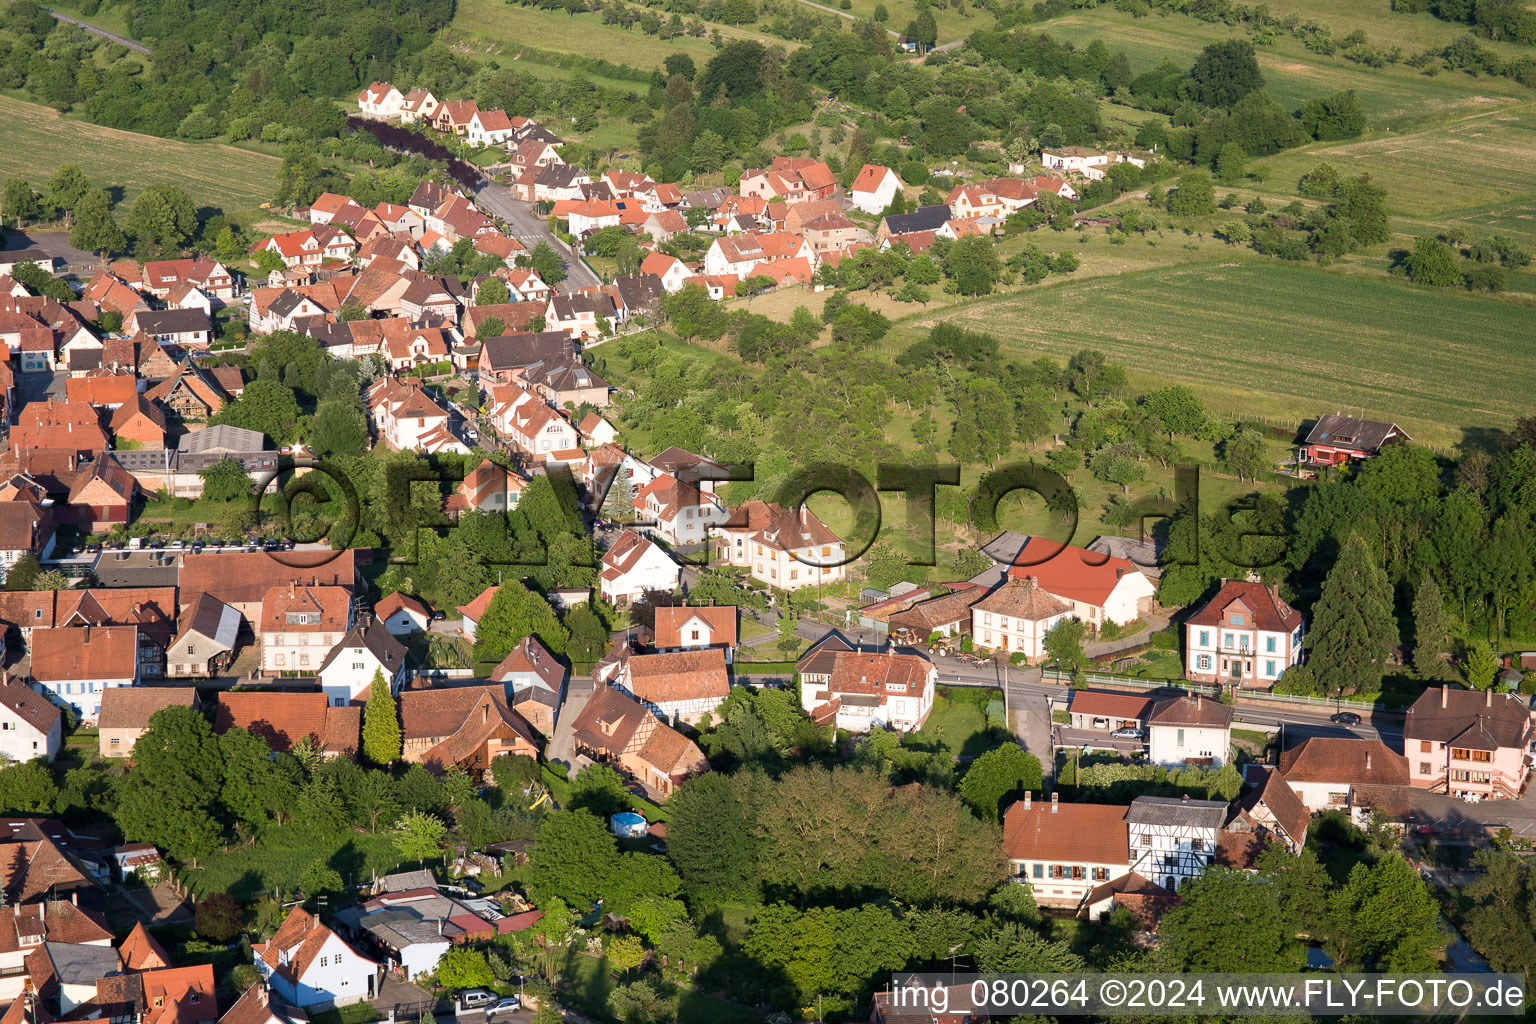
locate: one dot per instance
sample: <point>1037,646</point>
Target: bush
<point>218,918</point>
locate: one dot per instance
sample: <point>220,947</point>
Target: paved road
<point>530,230</point>
<point>93,30</point>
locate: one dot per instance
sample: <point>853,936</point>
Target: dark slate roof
<point>1172,810</point>
<point>924,218</point>
<point>1350,432</point>
<point>174,321</point>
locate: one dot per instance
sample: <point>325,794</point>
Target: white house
<point>1096,589</point>
<point>1337,773</point>
<point>677,512</point>
<point>472,613</point>
<point>685,628</point>
<point>403,615</point>
<point>863,690</point>
<point>30,725</point>
<point>1245,635</point>
<point>1076,159</point>
<point>1062,851</point>
<point>380,100</point>
<point>1173,839</point>
<point>1190,731</point>
<point>26,527</point>
<point>300,625</point>
<point>634,565</point>
<point>874,188</point>
<point>784,548</point>
<point>670,269</point>
<point>1016,617</point>
<point>310,966</point>
<point>682,686</point>
<point>73,666</point>
<point>489,128</point>
<point>346,674</point>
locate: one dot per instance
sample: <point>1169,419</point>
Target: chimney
<point>1490,696</point>
<point>261,993</point>
<point>1367,760</point>
<point>87,638</point>
<point>74,897</point>
<point>42,911</point>
<point>1445,696</point>
<point>1197,701</point>
<point>1055,800</point>
<point>1119,573</point>
<point>1026,799</point>
<point>1186,796</point>
<point>485,713</point>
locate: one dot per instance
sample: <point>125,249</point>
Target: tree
<point>1353,623</point>
<point>338,428</point>
<point>1244,452</point>
<point>514,613</point>
<point>1431,629</point>
<point>218,918</point>
<point>1385,917</point>
<point>709,838</point>
<point>419,836</point>
<point>24,573</point>
<point>1482,665</point>
<point>600,790</point>
<point>574,859</point>
<point>350,311</point>
<point>972,263</point>
<point>997,775</point>
<point>624,953</point>
<point>619,502</point>
<point>464,968</point>
<point>1195,195</point>
<point>163,219</point>
<point>491,327</point>
<point>546,263</point>
<point>589,637</point>
<point>225,480</point>
<point>65,190</point>
<point>1228,920</point>
<point>1225,72</point>
<point>1113,464</point>
<point>1433,262</point>
<point>19,203</point>
<point>27,788</point>
<point>266,407</point>
<point>1177,410</point>
<point>1064,645</point>
<point>95,230</point>
<point>171,798</point>
<point>1230,161</point>
<point>1501,923</point>
<point>381,723</point>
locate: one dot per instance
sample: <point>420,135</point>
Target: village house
<point>527,421</point>
<point>1344,773</point>
<point>1063,851</point>
<point>1015,618</point>
<point>596,431</point>
<point>471,614</point>
<point>283,718</point>
<point>406,417</point>
<point>126,711</point>
<point>632,566</point>
<point>30,725</point>
<point>297,249</point>
<point>1073,159</point>
<point>346,674</point>
<point>309,966</point>
<point>1244,635</point>
<point>614,729</point>
<point>682,686</point>
<point>677,512</point>
<point>464,727</point>
<point>417,105</point>
<point>205,644</point>
<point>669,269</point>
<point>60,426</point>
<point>380,100</point>
<point>454,116</point>
<point>26,527</point>
<point>1190,731</point>
<point>924,218</point>
<point>791,179</point>
<point>584,317</point>
<point>488,487</point>
<point>187,328</point>
<point>1099,711</point>
<point>488,128</point>
<point>864,690</point>
<point>299,625</point>
<point>1096,589</point>
<point>535,683</point>
<point>1338,440</point>
<point>686,628</point>
<point>24,930</point>
<point>874,187</point>
<point>74,666</point>
<point>1173,839</point>
<point>784,548</point>
<point>833,233</point>
<point>403,615</point>
<point>1469,743</point>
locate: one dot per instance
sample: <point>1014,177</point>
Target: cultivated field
<point>485,27</point>
<point>955,22</point>
<point>38,140</point>
<point>1269,338</point>
<point>1481,160</point>
<point>1395,97</point>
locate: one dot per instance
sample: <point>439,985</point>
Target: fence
<point>1060,678</point>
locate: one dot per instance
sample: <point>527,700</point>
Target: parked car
<point>1345,718</point>
<point>474,999</point>
<point>504,1007</point>
<point>1126,734</point>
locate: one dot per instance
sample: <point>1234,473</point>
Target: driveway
<point>1094,739</point>
<point>56,244</point>
<point>562,745</point>
<point>528,228</point>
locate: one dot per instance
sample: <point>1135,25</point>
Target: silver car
<point>1126,734</point>
<point>474,999</point>
<point>504,1007</point>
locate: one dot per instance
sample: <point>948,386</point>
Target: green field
<point>483,28</point>
<point>956,21</point>
<point>38,141</point>
<point>1395,97</point>
<point>1272,338</point>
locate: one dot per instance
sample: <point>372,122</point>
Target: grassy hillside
<point>38,140</point>
<point>1287,341</point>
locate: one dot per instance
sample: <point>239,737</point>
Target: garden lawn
<point>280,857</point>
<point>1285,338</point>
<point>39,140</point>
<point>956,727</point>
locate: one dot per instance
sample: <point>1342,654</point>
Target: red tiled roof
<point>1344,759</point>
<point>1073,573</point>
<point>1110,705</point>
<point>1072,833</point>
<point>1270,613</point>
<point>85,653</point>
